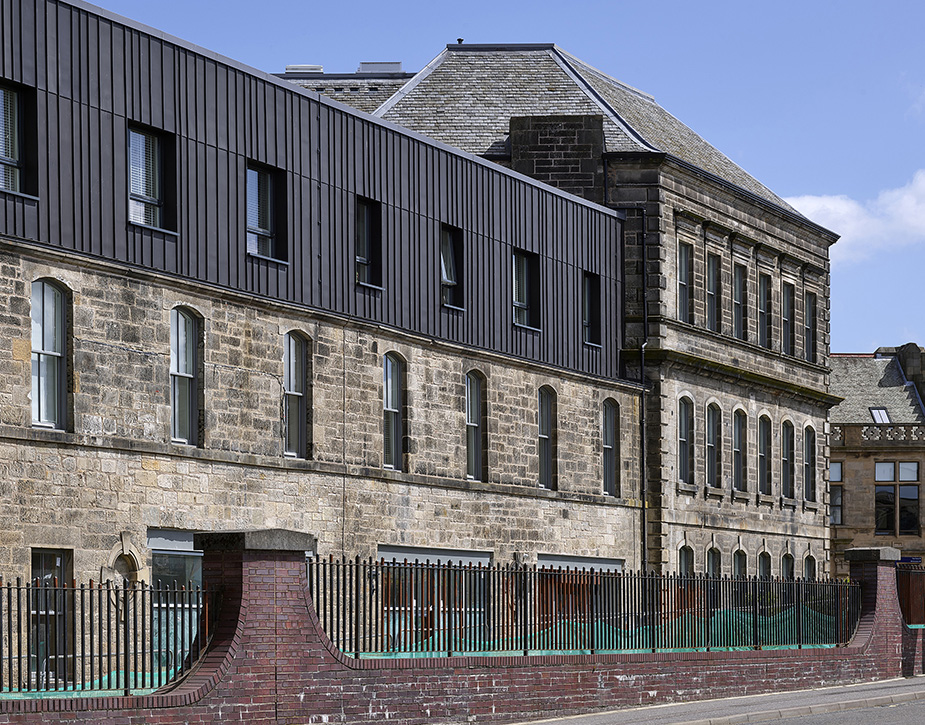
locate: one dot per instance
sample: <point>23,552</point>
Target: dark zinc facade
<point>232,303</point>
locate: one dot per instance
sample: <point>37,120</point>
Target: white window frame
<point>49,354</point>
<point>184,376</point>
<point>392,414</point>
<point>296,395</point>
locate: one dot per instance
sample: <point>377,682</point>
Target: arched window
<point>764,455</point>
<point>809,567</point>
<point>686,561</point>
<point>764,565</point>
<point>714,562</point>
<point>714,446</point>
<point>787,470</point>
<point>686,441</point>
<point>546,418</point>
<point>740,451</point>
<point>611,445</point>
<point>739,563</point>
<point>786,566</point>
<point>49,358</point>
<point>184,376</point>
<point>297,395</point>
<point>809,464</point>
<point>393,422</point>
<point>476,429</point>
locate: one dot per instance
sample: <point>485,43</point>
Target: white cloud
<point>895,219</point>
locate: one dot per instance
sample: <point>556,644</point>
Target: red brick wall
<point>270,662</point>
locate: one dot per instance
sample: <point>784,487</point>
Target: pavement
<point>759,708</point>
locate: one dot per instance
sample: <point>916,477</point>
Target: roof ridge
<point>411,84</point>
<point>558,55</point>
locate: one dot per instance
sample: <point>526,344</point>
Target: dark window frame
<point>610,437</point>
<point>452,271</point>
<point>765,311</point>
<point>714,446</point>
<point>764,455</point>
<point>810,326</point>
<point>368,242</point>
<point>809,464</point>
<point>547,438</point>
<point>836,505</point>
<point>267,241</point>
<point>787,460</point>
<point>685,282</point>
<point>740,451</point>
<point>740,301</point>
<point>165,160</point>
<point>526,290</point>
<point>787,321</point>
<point>591,308</point>
<point>714,293</point>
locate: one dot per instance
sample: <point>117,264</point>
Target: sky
<point>823,101</point>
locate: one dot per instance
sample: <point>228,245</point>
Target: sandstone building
<point>232,303</point>
<point>726,293</point>
<point>877,452</point>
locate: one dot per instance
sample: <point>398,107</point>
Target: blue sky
<point>822,101</point>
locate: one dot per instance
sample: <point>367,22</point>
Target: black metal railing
<point>99,638</point>
<point>382,609</point>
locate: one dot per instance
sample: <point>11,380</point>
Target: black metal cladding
<point>87,78</point>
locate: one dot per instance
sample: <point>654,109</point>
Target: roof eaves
<point>559,56</point>
<point>410,85</point>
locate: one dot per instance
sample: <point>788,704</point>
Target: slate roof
<point>867,381</point>
<point>467,95</point>
<point>363,93</point>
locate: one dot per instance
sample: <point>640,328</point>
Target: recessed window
<point>10,141</point>
<point>714,562</point>
<point>740,451</point>
<point>740,301</point>
<point>764,455</point>
<point>809,464</point>
<point>368,242</point>
<point>739,563</point>
<point>685,283</point>
<point>266,212</point>
<point>787,570</point>
<point>49,626</point>
<point>476,429</point>
<point>714,295</point>
<point>787,298</point>
<point>184,376</point>
<point>145,204</point>
<point>686,561</point>
<point>714,446</point>
<point>591,308</point>
<point>810,327</point>
<point>526,289</point>
<point>297,388</point>
<point>393,424</point>
<point>764,565</point>
<point>836,497</point>
<point>880,416</point>
<point>835,471</point>
<point>611,445</point>
<point>546,442</point>
<point>809,567</point>
<point>49,358</point>
<point>686,441</point>
<point>451,266</point>
<point>787,464</point>
<point>764,310</point>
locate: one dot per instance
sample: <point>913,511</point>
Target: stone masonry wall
<point>117,470</point>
